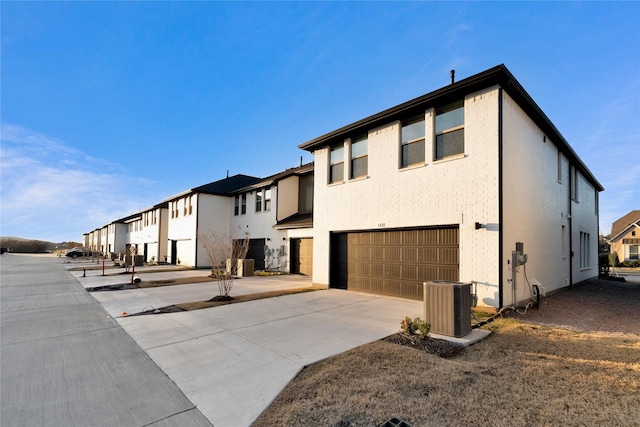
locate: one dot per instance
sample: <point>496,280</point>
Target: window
<point>359,157</point>
<point>258,200</point>
<point>336,168</point>
<point>267,199</point>
<point>449,130</point>
<point>243,204</point>
<point>633,251</point>
<point>412,142</point>
<point>585,250</point>
<point>236,206</point>
<point>559,167</point>
<point>305,194</point>
<point>633,233</point>
<point>174,209</point>
<point>190,205</point>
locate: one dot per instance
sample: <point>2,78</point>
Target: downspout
<point>500,204</point>
<point>571,173</point>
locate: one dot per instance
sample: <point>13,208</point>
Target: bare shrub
<point>224,252</point>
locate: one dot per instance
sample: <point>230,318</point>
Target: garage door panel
<point>396,262</point>
<point>448,256</point>
<point>428,255</point>
<point>409,254</point>
<point>392,254</point>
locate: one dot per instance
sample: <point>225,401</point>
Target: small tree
<point>224,252</point>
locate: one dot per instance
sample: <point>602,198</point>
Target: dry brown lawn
<point>521,375</point>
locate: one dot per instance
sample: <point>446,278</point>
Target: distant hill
<point>31,246</point>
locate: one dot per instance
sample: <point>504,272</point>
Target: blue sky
<point>110,107</point>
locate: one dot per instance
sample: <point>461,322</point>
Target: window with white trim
<point>243,203</point>
<point>336,164</point>
<point>359,157</point>
<point>449,130</point>
<point>259,201</point>
<point>633,251</point>
<point>236,205</point>
<point>412,142</point>
<point>267,199</point>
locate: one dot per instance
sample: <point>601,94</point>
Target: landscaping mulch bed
<point>441,348</point>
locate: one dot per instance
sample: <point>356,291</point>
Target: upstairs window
<point>359,157</point>
<point>236,205</point>
<point>574,183</point>
<point>243,204</point>
<point>259,201</point>
<point>305,194</point>
<point>267,199</point>
<point>336,168</point>
<point>412,142</point>
<point>449,130</point>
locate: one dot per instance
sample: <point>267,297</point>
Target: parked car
<point>75,252</point>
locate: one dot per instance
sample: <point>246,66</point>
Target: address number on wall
<point>381,224</point>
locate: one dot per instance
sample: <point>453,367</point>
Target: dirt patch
<point>596,306</point>
<point>152,284</point>
<point>222,300</point>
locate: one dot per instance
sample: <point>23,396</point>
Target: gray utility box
<point>447,307</point>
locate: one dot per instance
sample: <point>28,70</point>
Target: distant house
<point>197,213</point>
<point>147,233</point>
<point>625,237</point>
<point>117,238</point>
<point>277,214</point>
<point>443,186</point>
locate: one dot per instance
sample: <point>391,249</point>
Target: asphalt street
<point>66,362</point>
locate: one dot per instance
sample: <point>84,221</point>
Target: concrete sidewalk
<point>65,361</point>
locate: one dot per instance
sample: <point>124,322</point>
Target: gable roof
<point>498,75</point>
<point>222,187</point>
<point>622,225</point>
<point>299,170</point>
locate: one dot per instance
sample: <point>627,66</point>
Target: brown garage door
<point>394,262</point>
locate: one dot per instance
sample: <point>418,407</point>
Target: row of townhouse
<point>442,187</point>
<point>275,212</point>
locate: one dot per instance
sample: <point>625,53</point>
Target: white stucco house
<point>147,233</point>
<point>443,186</point>
<point>200,211</point>
<point>117,235</point>
<point>277,214</point>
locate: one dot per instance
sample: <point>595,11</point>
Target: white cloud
<point>52,191</point>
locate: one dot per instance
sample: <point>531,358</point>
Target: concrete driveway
<point>232,361</point>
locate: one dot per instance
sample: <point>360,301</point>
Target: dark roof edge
<point>499,75</point>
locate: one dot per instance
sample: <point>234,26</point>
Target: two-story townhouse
<point>625,237</point>
<point>103,246</point>
<point>116,238</point>
<point>270,213</point>
<point>199,213</point>
<point>146,233</point>
<point>443,186</point>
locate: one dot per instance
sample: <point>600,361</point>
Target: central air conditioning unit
<point>447,307</point>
